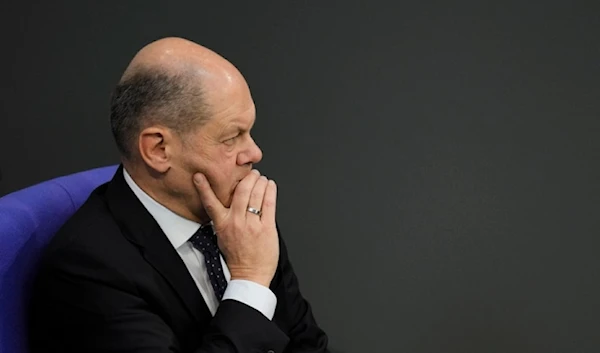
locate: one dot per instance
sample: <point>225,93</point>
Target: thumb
<point>213,207</point>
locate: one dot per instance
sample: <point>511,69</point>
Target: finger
<point>258,193</point>
<point>241,195</point>
<point>213,207</point>
<point>269,203</point>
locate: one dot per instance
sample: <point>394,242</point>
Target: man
<point>180,251</point>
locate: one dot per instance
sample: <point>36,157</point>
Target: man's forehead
<point>235,122</point>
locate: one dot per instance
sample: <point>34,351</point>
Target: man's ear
<point>155,144</point>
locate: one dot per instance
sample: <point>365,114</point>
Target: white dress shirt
<point>179,230</point>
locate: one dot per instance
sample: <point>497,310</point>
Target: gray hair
<point>153,96</point>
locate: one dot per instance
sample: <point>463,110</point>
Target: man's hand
<point>249,242</point>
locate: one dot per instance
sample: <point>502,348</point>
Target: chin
<point>226,200</point>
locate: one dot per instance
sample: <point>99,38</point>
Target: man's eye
<point>231,140</point>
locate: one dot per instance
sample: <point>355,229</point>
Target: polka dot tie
<point>205,241</point>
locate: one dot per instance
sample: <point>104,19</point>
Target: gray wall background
<point>438,163</point>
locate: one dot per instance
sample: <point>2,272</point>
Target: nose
<point>251,155</point>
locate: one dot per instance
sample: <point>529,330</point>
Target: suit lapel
<point>164,258</point>
<point>141,229</point>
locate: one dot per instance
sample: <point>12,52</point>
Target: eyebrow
<point>231,129</point>
<point>236,125</point>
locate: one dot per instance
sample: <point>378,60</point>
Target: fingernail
<point>198,178</point>
<point>255,171</point>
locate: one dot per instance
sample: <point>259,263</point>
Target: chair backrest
<point>28,220</point>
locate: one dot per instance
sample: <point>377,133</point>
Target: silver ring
<point>254,210</point>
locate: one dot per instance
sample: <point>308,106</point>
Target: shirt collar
<point>177,229</point>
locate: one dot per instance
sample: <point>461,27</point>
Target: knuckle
<point>254,228</point>
<point>269,202</point>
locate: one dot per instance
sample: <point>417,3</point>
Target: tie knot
<point>206,230</point>
<point>205,240</point>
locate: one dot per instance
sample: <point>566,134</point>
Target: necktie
<point>205,241</point>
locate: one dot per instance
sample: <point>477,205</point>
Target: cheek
<point>225,166</point>
<point>222,186</point>
<point>220,167</point>
<point>222,180</point>
<point>178,182</point>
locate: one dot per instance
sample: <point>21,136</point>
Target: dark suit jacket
<point>110,281</point>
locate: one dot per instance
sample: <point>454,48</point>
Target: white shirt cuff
<point>252,294</point>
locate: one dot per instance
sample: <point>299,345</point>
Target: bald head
<point>172,82</point>
<point>181,56</point>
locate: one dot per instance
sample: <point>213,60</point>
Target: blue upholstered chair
<point>28,220</point>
